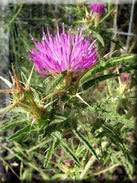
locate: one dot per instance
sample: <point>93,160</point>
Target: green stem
<point>105,17</point>
<point>14,17</point>
<point>107,169</point>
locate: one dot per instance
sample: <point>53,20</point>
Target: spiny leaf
<point>49,153</point>
<point>11,125</point>
<point>106,64</point>
<point>20,132</point>
<point>115,137</point>
<point>67,149</point>
<point>96,80</point>
<point>86,142</point>
<point>99,37</point>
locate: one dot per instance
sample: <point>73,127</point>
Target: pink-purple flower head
<point>97,8</point>
<point>64,51</point>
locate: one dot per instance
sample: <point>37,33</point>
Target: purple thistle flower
<point>63,52</point>
<point>97,8</point>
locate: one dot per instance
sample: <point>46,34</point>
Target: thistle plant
<point>60,133</point>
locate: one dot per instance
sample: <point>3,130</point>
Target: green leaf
<point>106,64</point>
<point>20,132</point>
<point>67,149</point>
<point>99,38</point>
<point>86,142</point>
<point>128,68</point>
<point>116,139</point>
<point>49,153</point>
<point>55,125</point>
<point>96,80</point>
<point>11,125</point>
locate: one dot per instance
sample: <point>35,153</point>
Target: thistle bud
<point>97,9</point>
